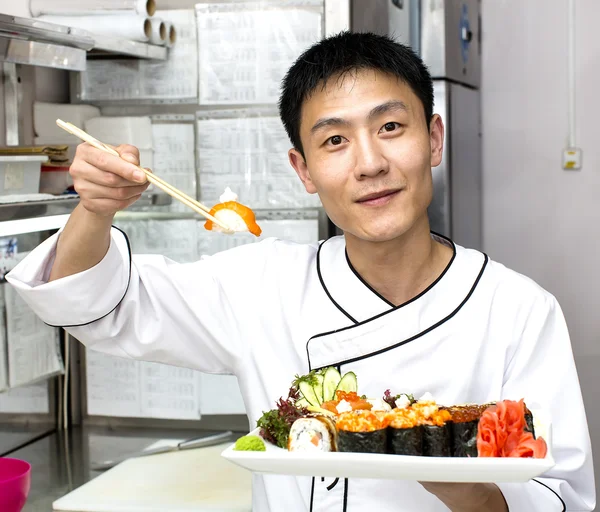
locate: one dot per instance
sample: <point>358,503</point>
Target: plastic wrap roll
<point>92,7</point>
<point>130,26</point>
<point>158,32</point>
<point>171,34</point>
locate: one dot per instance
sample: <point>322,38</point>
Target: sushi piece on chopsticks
<point>313,433</point>
<point>237,216</point>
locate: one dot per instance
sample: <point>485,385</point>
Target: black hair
<point>343,53</point>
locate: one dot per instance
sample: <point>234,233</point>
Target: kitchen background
<point>536,217</point>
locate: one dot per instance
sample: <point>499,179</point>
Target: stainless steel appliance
<point>446,33</point>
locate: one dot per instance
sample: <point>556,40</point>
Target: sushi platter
<point>325,429</point>
<point>279,461</point>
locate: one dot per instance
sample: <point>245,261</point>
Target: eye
<point>336,140</point>
<point>390,127</point>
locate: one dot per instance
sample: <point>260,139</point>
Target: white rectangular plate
<point>276,460</point>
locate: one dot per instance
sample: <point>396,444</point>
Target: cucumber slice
<point>318,387</point>
<point>308,393</point>
<point>302,402</point>
<point>348,383</point>
<point>331,380</point>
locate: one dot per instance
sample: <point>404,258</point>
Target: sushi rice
<point>313,433</point>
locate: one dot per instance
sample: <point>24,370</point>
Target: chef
<point>400,306</point>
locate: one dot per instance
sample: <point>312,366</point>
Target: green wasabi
<point>250,444</point>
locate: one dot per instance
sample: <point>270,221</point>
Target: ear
<point>436,138</point>
<point>299,164</point>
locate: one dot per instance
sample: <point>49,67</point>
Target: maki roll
<point>312,433</point>
<point>437,436</point>
<point>465,421</point>
<point>420,428</point>
<point>362,431</point>
<point>405,436</point>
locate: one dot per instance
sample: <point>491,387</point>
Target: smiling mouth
<point>378,197</point>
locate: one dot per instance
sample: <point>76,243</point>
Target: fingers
<point>107,183</point>
<point>104,161</point>
<point>129,153</point>
<point>83,171</point>
<point>93,191</point>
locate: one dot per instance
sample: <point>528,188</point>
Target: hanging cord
<point>571,71</point>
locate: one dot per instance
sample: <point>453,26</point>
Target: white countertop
<point>198,480</point>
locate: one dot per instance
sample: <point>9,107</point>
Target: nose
<point>370,160</point>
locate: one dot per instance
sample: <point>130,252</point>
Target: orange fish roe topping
<point>384,418</point>
<point>349,396</point>
<point>439,418</point>
<point>401,418</point>
<point>355,401</point>
<point>359,421</point>
<point>425,413</point>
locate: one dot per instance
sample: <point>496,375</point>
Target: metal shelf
<point>50,214</point>
<point>39,43</point>
<point>113,47</point>
<point>261,214</point>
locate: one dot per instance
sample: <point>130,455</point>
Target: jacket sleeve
<point>542,371</point>
<point>148,307</point>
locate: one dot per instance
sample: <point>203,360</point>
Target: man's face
<point>369,153</point>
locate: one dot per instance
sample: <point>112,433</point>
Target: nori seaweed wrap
<point>529,422</point>
<point>406,438</point>
<point>464,423</point>
<point>437,441</point>
<point>437,435</point>
<point>361,431</point>
<point>364,442</point>
<point>420,429</point>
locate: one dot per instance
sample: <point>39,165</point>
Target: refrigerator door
<point>455,210</point>
<point>439,209</point>
<point>450,39</point>
<point>465,159</point>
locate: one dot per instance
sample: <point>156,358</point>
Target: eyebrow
<point>388,106</point>
<point>384,108</point>
<point>326,122</point>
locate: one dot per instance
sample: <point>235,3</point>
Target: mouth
<point>379,198</point>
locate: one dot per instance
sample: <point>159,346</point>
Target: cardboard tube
<point>171,34</point>
<point>92,7</point>
<point>158,32</point>
<point>134,27</point>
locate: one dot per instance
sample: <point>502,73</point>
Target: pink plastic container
<point>15,482</point>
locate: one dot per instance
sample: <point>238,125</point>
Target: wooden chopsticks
<point>152,178</point>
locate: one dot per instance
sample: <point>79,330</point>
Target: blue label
<point>464,27</point>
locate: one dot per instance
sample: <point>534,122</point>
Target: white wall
<point>15,8</point>
<point>539,219</point>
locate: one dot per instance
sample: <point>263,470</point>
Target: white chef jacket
<point>270,310</point>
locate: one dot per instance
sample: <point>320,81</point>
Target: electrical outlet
<point>571,160</point>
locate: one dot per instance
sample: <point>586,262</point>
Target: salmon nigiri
<point>235,215</point>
